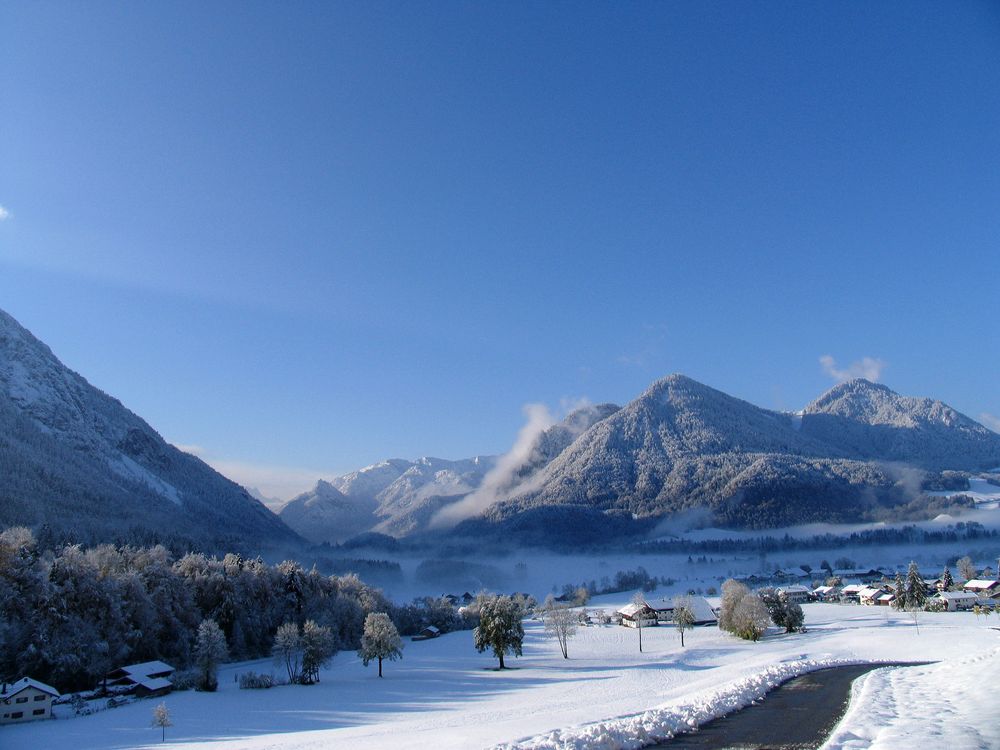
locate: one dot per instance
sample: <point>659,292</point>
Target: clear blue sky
<point>307,236</point>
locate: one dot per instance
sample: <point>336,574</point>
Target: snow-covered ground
<point>985,495</point>
<point>445,695</point>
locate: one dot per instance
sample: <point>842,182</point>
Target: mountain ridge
<point>80,463</point>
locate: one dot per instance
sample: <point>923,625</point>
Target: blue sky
<point>304,237</point>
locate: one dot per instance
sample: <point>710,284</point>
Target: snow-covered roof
<point>432,628</point>
<point>795,588</point>
<point>632,609</point>
<point>888,597</point>
<point>870,592</point>
<point>981,584</point>
<point>27,682</point>
<point>824,589</point>
<point>956,595</point>
<point>154,683</point>
<point>145,668</point>
<point>853,588</point>
<point>698,605</point>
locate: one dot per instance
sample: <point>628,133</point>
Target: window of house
<point>22,699</point>
<point>38,712</point>
<point>17,714</point>
<point>39,697</point>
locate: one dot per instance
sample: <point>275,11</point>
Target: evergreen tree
<point>380,640</point>
<point>500,628</point>
<point>899,588</point>
<point>946,580</point>
<point>916,596</point>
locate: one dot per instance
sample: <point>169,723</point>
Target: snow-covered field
<point>445,695</point>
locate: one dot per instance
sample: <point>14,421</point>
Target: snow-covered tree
<point>560,623</point>
<point>161,719</point>
<point>500,629</point>
<point>916,595</point>
<point>899,589</point>
<point>380,640</point>
<point>966,568</point>
<point>683,616</point>
<point>946,579</point>
<point>732,593</point>
<point>287,649</point>
<point>318,647</point>
<point>750,618</point>
<point>210,649</point>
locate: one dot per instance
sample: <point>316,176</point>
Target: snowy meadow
<point>607,694</point>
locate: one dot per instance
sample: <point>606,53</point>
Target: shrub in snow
<point>253,681</point>
<point>185,679</point>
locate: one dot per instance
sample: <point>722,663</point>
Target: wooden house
<point>26,700</point>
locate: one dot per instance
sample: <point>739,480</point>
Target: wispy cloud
<point>990,420</point>
<point>280,482</point>
<point>502,476</point>
<point>4,214</point>
<point>650,349</point>
<point>869,368</point>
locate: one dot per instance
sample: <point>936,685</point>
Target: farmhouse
<point>427,633</point>
<point>699,606</point>
<point>637,615</point>
<point>865,575</point>
<point>852,592</point>
<point>984,588</point>
<point>25,700</point>
<point>146,679</point>
<point>957,600</point>
<point>870,594</point>
<point>796,593</point>
<point>826,593</point>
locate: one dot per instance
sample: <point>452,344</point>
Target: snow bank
<point>937,703</point>
<point>659,724</point>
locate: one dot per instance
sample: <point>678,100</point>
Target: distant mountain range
<point>75,462</point>
<point>859,451</point>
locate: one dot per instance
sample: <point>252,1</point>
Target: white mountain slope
<point>400,497</point>
<point>74,459</point>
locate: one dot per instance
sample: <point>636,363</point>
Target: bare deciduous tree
<point>560,622</point>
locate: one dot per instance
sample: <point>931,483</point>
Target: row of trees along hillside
<point>70,615</point>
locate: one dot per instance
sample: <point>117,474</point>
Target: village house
<point>426,634</point>
<point>637,615</point>
<point>26,700</point>
<point>955,601</point>
<point>699,606</point>
<point>983,588</point>
<point>869,595</point>
<point>796,593</point>
<point>865,575</point>
<point>851,592</point>
<point>147,679</point>
<point>826,593</point>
